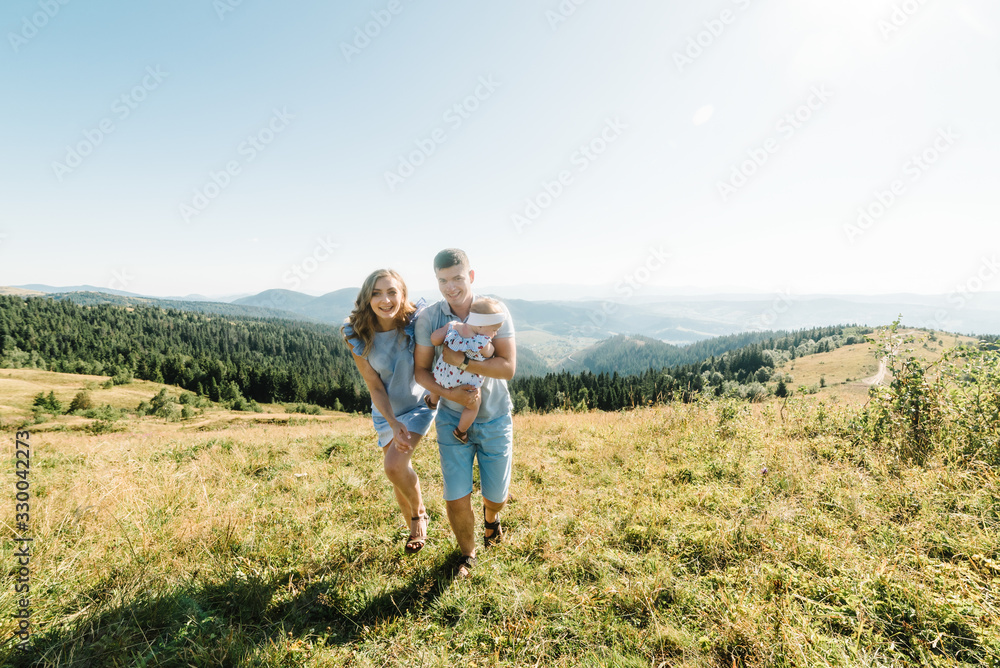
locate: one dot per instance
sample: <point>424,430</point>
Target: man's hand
<point>465,395</point>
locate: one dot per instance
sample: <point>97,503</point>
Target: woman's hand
<point>401,437</point>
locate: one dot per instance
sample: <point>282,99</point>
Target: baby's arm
<point>437,336</point>
<point>487,350</point>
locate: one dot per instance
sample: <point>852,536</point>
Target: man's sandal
<point>463,436</point>
<point>465,566</point>
<point>493,526</point>
<point>416,543</point>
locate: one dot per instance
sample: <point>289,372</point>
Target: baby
<point>473,337</point>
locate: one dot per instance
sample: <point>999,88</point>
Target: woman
<point>380,333</point>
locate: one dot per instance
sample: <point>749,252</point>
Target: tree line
<point>222,357</point>
<point>743,373</point>
<point>269,360</point>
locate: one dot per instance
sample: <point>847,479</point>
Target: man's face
<point>455,284</point>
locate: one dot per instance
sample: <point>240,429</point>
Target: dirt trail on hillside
<point>878,377</point>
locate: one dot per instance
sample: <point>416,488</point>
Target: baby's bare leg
<point>468,417</point>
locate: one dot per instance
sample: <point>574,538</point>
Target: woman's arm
<point>380,399</point>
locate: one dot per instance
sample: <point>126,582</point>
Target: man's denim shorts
<point>492,443</point>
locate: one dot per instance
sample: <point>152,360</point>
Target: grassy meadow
<point>713,534</point>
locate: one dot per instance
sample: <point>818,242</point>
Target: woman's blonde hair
<point>363,320</point>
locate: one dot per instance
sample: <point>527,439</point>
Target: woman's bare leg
<point>405,483</point>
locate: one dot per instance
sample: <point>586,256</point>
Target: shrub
<point>951,406</point>
<point>306,409</point>
<point>48,403</point>
<point>241,404</point>
<point>81,402</point>
<point>904,416</point>
<point>122,377</point>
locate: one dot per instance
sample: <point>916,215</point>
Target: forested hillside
<point>633,354</point>
<point>273,360</point>
<point>743,372</point>
<point>274,309</point>
<point>265,360</point>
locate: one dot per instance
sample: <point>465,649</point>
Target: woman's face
<point>387,299</point>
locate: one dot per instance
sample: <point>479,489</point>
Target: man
<point>491,437</point>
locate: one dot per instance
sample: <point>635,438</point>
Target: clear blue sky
<point>313,121</point>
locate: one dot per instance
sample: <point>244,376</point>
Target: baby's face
<point>486,330</point>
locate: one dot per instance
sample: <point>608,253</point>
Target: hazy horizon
<point>588,291</point>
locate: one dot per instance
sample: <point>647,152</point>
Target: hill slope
<point>686,536</point>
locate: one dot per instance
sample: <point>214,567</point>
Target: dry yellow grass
<point>6,290</point>
<point>709,535</point>
<point>19,387</point>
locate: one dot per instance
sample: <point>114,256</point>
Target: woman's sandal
<point>463,436</point>
<point>493,526</point>
<point>416,543</point>
<point>465,566</point>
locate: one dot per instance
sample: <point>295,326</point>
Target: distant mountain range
<point>555,329</point>
<point>331,307</point>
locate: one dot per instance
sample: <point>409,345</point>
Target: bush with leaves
<point>904,416</point>
<point>306,409</point>
<point>48,403</point>
<point>162,405</point>
<point>122,377</point>
<point>81,402</point>
<point>970,405</point>
<point>951,405</point>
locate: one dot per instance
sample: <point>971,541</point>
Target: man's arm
<point>423,358</point>
<point>501,366</point>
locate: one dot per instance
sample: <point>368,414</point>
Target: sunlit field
<point>714,534</point>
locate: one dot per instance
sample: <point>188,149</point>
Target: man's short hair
<point>450,257</point>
